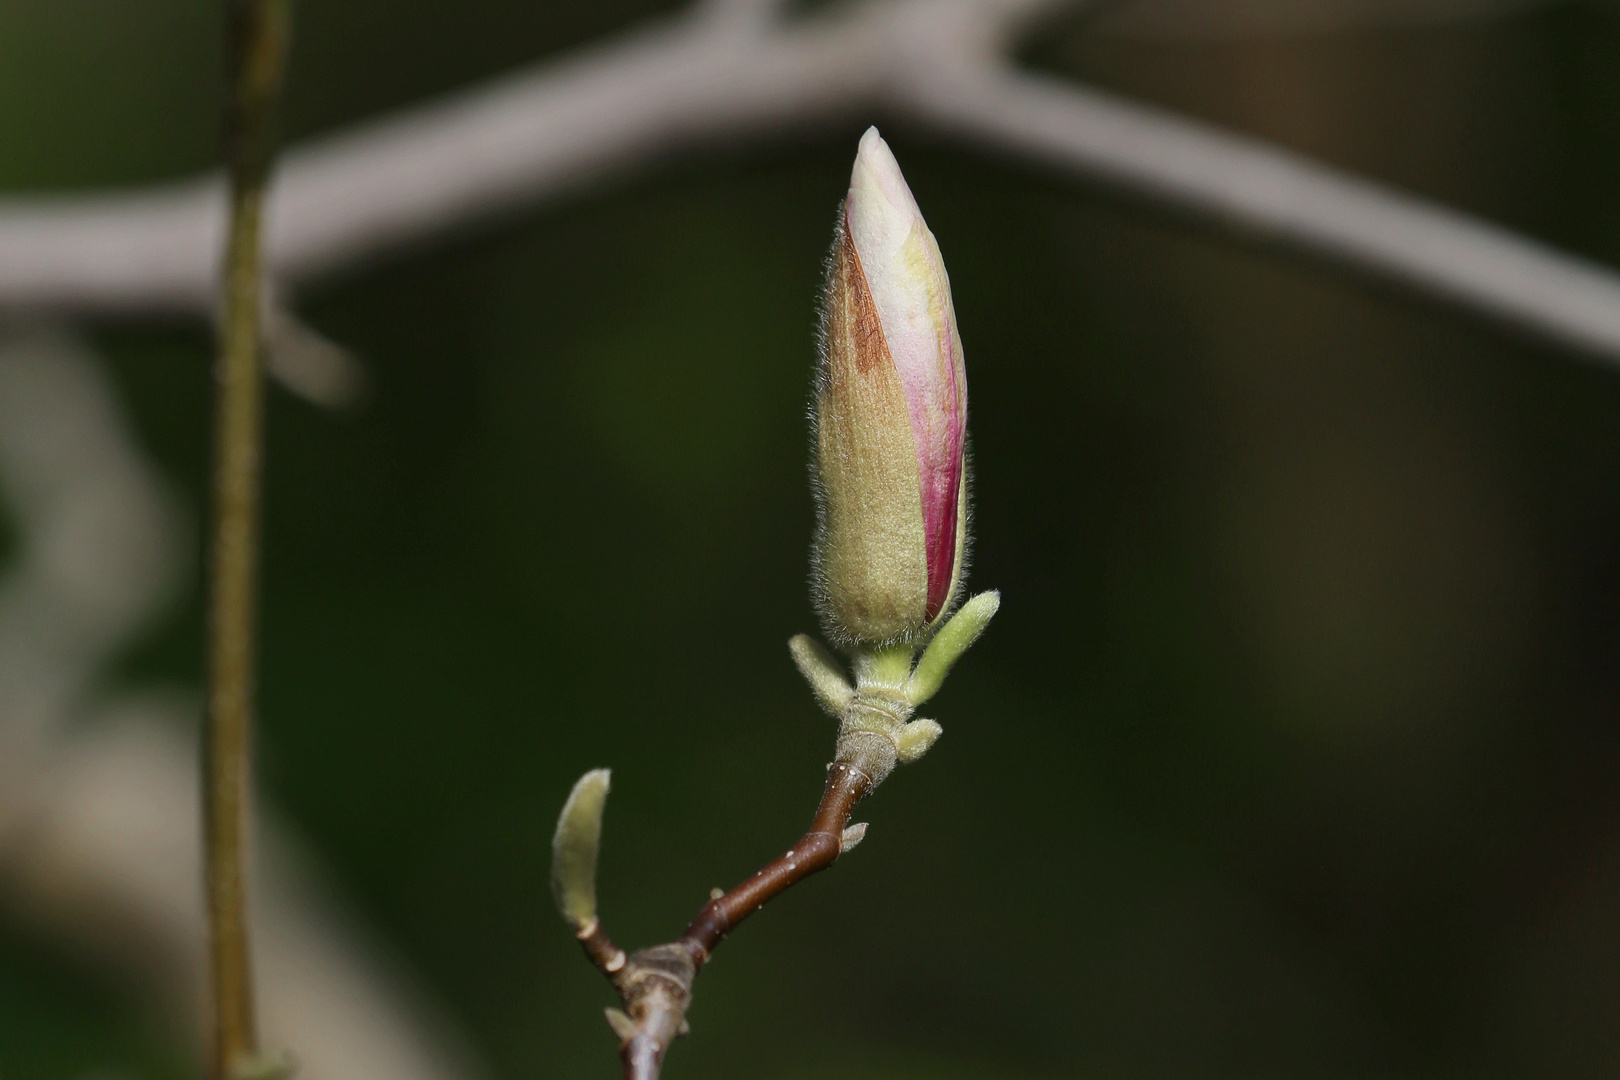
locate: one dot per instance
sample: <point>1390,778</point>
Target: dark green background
<point>1294,750</point>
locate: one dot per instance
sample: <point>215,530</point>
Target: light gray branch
<point>1283,198</point>
<point>732,70</point>
<point>344,200</point>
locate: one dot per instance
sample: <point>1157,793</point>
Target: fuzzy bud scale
<point>891,418</point>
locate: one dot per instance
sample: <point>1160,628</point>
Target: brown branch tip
<point>875,734</point>
<point>655,984</point>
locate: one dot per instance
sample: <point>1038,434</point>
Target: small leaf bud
<point>915,739</point>
<point>620,1022</point>
<point>574,848</point>
<point>852,836</point>
<point>823,672</point>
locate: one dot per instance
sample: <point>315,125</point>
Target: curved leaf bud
<point>952,640</point>
<point>822,671</point>
<point>574,847</point>
<point>915,739</point>
<point>891,418</point>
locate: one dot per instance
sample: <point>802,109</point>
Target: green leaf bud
<point>915,739</point>
<point>574,848</point>
<point>823,672</point>
<point>953,639</point>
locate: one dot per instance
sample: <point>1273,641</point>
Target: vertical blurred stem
<point>256,44</point>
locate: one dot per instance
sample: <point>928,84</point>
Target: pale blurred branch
<point>732,70</point>
<point>1283,198</point>
<point>100,808</point>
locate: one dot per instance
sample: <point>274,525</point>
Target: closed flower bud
<point>891,419</point>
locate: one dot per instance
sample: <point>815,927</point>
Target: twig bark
<point>816,850</point>
<point>257,48</point>
<point>655,984</point>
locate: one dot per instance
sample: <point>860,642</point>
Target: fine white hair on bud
<point>574,848</point>
<point>891,419</point>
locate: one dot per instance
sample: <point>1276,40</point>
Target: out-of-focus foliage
<point>1293,750</point>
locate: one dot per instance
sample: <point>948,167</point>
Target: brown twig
<point>257,47</point>
<point>816,850</point>
<point>655,984</point>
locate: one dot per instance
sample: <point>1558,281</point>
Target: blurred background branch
<point>733,70</point>
<point>99,806</point>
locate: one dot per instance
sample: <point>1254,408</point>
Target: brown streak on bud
<point>860,316</point>
<point>872,571</point>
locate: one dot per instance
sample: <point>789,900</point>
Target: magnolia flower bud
<point>891,419</point>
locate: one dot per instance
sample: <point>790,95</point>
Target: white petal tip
<point>875,157</point>
<point>881,211</point>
